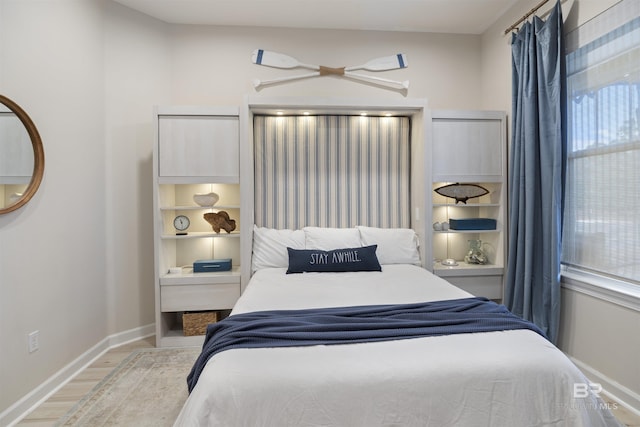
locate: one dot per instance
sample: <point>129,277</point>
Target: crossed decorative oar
<point>279,60</point>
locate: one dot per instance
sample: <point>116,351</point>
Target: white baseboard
<point>116,340</point>
<point>627,398</point>
<point>32,400</point>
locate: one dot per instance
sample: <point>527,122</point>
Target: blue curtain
<point>536,177</point>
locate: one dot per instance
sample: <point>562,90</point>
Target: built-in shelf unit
<point>196,151</point>
<point>469,147</point>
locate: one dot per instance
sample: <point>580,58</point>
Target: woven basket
<point>195,323</point>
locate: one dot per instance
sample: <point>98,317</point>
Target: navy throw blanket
<point>346,325</point>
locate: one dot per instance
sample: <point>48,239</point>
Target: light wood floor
<point>64,399</point>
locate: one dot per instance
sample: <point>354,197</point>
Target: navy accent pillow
<point>338,260</point>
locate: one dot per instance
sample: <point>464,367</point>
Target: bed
<point>498,378</point>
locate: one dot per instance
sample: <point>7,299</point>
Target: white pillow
<point>395,245</point>
<point>270,247</point>
<point>328,239</point>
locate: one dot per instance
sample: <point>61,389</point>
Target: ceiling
<point>438,16</point>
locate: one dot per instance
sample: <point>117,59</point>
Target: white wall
<point>137,75</point>
<point>601,336</point>
<point>212,65</point>
<point>52,264</point>
<point>76,262</point>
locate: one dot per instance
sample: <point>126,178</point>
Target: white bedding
<point>511,378</point>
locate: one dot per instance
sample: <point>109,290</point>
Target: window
<point>602,207</point>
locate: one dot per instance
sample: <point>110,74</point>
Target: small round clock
<point>181,223</point>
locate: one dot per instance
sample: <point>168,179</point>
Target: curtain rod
<point>528,14</point>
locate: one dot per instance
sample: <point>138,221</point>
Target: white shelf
<point>198,179</point>
<point>176,338</point>
<point>450,231</point>
<point>468,205</point>
<point>464,269</point>
<point>188,277</point>
<point>198,208</point>
<point>203,234</point>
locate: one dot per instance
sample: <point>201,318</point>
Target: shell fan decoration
<point>462,192</point>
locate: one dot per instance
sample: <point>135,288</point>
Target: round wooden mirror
<point>21,156</point>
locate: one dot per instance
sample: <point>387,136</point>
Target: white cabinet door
<point>468,149</point>
<point>199,146</point>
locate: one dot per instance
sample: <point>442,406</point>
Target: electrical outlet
<point>34,341</point>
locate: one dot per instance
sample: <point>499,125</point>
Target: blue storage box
<point>472,224</point>
<point>211,265</point>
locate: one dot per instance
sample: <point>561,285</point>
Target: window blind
<point>601,230</point>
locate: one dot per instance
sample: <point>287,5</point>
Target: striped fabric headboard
<point>331,171</point>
